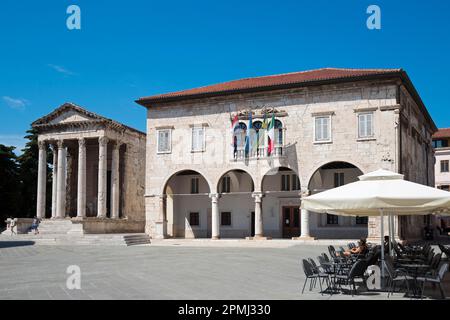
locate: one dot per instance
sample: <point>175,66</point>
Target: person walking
<point>13,225</point>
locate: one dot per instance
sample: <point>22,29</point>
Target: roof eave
<point>146,102</point>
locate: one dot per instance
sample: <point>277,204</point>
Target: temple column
<point>102,176</point>
<point>81,186</point>
<point>61,181</point>
<point>259,227</point>
<point>115,182</point>
<point>215,219</point>
<point>42,180</point>
<point>54,179</point>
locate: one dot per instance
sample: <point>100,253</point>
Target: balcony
<point>258,153</point>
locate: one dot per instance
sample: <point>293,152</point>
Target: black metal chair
<point>356,272</point>
<point>396,275</point>
<point>312,276</point>
<point>435,279</point>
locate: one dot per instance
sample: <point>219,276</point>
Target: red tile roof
<point>252,84</point>
<point>290,80</point>
<point>442,133</point>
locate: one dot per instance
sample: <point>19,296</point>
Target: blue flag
<point>248,140</point>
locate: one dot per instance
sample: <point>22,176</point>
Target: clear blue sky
<point>128,49</point>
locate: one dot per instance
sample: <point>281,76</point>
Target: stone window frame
<point>199,219</point>
<point>195,185</point>
<point>372,135</point>
<point>330,127</point>
<point>225,184</point>
<point>231,219</point>
<point>194,127</point>
<point>445,166</point>
<point>169,130</point>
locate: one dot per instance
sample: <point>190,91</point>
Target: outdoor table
<point>335,268</point>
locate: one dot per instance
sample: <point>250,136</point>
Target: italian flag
<point>271,135</point>
<point>234,125</point>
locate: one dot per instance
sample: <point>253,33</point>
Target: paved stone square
<point>159,272</point>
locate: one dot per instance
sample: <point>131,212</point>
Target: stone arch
<point>310,176</point>
<point>186,204</point>
<point>277,171</point>
<point>233,170</point>
<point>175,172</point>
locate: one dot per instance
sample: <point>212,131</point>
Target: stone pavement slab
<point>161,272</point>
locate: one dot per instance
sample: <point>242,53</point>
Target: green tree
<point>28,174</point>
<point>9,184</point>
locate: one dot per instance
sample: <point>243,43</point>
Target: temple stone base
<point>80,226</point>
<point>258,238</point>
<point>304,238</point>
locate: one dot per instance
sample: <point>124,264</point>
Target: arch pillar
<point>161,222</point>
<point>304,219</point>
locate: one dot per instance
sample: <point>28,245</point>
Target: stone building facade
<point>97,172</point>
<point>331,125</point>
<point>441,144</point>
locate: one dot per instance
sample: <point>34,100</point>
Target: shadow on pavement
<point>12,244</point>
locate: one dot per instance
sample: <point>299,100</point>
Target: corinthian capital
<point>81,142</point>
<point>41,145</point>
<point>103,141</point>
<point>60,144</point>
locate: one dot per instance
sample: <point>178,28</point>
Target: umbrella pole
<point>390,234</point>
<point>382,246</point>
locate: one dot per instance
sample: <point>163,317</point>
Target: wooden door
<point>291,222</point>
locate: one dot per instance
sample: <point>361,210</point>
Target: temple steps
<point>136,239</point>
<point>80,239</point>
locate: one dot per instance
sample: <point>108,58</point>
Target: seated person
<point>386,244</point>
<point>360,249</point>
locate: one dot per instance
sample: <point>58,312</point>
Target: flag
<point>262,132</point>
<point>264,124</point>
<point>271,135</point>
<point>234,125</point>
<point>248,141</point>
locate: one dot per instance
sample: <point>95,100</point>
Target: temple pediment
<point>70,116</point>
<point>68,113</point>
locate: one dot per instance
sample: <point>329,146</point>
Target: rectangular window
<point>322,128</point>
<point>338,179</point>
<point>444,165</point>
<point>362,220</point>
<point>194,185</point>
<point>226,184</point>
<point>332,219</point>
<point>194,218</point>
<point>365,125</point>
<point>445,188</point>
<point>295,182</point>
<point>285,182</point>
<point>164,142</point>
<point>225,219</point>
<point>440,144</point>
<point>198,139</point>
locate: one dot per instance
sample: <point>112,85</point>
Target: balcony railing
<point>258,153</point>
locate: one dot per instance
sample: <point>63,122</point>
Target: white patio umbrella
<point>376,194</point>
